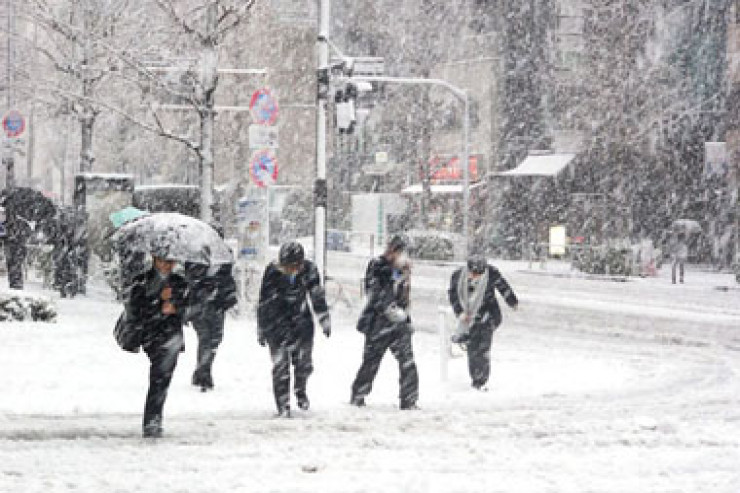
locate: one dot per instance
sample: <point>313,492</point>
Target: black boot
<point>302,400</point>
<point>153,428</point>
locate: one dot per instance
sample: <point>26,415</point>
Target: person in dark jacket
<point>64,260</point>
<point>285,322</point>
<point>478,313</point>
<point>213,291</point>
<point>158,305</point>
<point>386,324</point>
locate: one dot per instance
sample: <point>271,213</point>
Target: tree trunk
<point>208,83</point>
<point>87,155</point>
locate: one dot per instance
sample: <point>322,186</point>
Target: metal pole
<point>465,158</point>
<point>10,158</point>
<point>320,187</point>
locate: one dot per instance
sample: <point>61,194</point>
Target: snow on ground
<point>597,386</point>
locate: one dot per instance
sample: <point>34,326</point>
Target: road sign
<point>14,124</point>
<point>264,107</point>
<point>263,168</point>
<point>263,137</point>
<point>381,157</point>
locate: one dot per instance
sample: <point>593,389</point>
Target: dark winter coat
<point>283,314</point>
<point>144,306</point>
<point>211,288</point>
<point>489,312</point>
<point>382,291</point>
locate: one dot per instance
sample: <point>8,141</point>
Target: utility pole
<point>9,158</point>
<point>322,95</point>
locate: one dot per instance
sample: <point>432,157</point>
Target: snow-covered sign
<point>14,124</point>
<point>251,213</point>
<point>715,159</point>
<point>263,137</point>
<point>264,107</point>
<point>263,168</point>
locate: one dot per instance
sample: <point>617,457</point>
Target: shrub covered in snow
<point>17,306</point>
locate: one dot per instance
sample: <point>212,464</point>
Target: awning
<point>456,188</point>
<point>541,165</point>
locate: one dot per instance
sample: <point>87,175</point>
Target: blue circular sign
<point>263,169</point>
<point>14,124</point>
<point>264,107</point>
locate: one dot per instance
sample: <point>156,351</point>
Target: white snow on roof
<point>457,188</point>
<point>107,176</point>
<point>541,165</point>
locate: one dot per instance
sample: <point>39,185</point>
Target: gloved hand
<point>261,339</point>
<point>325,321</point>
<point>396,314</point>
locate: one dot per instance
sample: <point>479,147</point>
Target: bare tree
<point>202,26</point>
<point>75,39</point>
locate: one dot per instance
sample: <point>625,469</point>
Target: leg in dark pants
<point>280,374</point>
<point>163,358</point>
<point>15,255</point>
<point>479,354</point>
<point>302,358</point>
<point>403,351</point>
<point>372,356</point>
<point>210,330</point>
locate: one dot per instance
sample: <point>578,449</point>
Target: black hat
<point>477,265</point>
<point>397,243</point>
<point>291,253</point>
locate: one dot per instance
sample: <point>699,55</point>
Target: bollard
<point>444,350</point>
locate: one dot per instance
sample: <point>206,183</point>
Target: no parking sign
<point>14,124</point>
<point>264,107</point>
<point>263,168</point>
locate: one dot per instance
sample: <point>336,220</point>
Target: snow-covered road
<point>597,386</point>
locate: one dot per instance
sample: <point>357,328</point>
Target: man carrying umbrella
<point>158,299</point>
<point>479,313</point>
<point>285,322</point>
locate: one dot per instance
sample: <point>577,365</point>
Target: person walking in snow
<point>213,291</point>
<point>158,305</point>
<point>286,325</point>
<point>478,313</point>
<point>386,324</point>
<point>679,256</point>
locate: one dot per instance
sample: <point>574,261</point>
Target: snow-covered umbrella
<point>688,226</point>
<point>175,237</point>
<point>119,218</point>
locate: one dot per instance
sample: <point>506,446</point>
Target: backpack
<point>367,318</point>
<point>127,334</point>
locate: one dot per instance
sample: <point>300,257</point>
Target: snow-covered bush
<point>604,260</point>
<point>20,306</point>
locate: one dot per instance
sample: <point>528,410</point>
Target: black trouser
<point>398,340</point>
<point>677,265</point>
<point>163,358</point>
<point>479,353</point>
<point>15,257</point>
<point>210,329</point>
<point>283,354</point>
